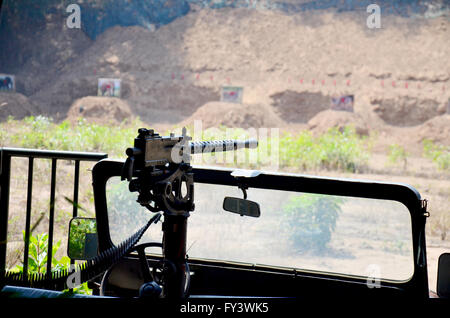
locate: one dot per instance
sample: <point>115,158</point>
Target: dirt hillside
<point>289,65</point>
<point>327,119</point>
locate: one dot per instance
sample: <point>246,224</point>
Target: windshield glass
<point>345,235</point>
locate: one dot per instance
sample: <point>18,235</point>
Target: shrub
<point>439,154</point>
<point>398,154</point>
<point>37,259</point>
<point>37,255</point>
<point>309,221</point>
<point>336,149</point>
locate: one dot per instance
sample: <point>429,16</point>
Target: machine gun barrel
<point>221,145</point>
<point>152,150</point>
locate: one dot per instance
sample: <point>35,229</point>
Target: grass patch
<point>397,154</point>
<point>42,133</point>
<point>335,150</point>
<point>439,154</point>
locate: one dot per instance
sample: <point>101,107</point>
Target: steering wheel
<point>126,276</point>
<point>145,268</point>
<point>159,270</point>
<point>123,278</point>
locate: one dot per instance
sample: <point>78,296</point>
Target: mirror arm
<point>245,193</point>
<point>241,185</point>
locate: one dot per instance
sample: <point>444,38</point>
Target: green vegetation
<point>79,238</point>
<point>338,150</point>
<point>310,220</point>
<point>398,154</point>
<point>37,260</point>
<point>341,150</point>
<point>42,133</point>
<point>37,255</point>
<point>335,150</point>
<point>439,154</point>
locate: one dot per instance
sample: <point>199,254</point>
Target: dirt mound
<point>16,105</point>
<point>101,110</point>
<point>406,110</point>
<point>328,119</point>
<point>437,129</point>
<point>215,114</point>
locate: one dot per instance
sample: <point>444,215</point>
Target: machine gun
<point>158,168</point>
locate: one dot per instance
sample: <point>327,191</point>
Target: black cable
<point>90,269</point>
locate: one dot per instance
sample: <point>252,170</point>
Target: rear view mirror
<point>83,242</point>
<point>241,206</point>
<point>443,279</point>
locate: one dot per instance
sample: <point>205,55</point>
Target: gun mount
<point>158,168</point>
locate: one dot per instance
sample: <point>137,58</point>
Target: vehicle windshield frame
<point>403,193</point>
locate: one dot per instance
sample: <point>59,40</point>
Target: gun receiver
<point>152,150</point>
<point>158,167</point>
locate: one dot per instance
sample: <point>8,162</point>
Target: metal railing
<point>5,175</point>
